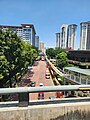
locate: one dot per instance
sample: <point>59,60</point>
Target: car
<point>41,84</point>
<point>59,94</point>
<point>40,94</point>
<point>52,97</point>
<point>47,75</point>
<point>33,84</point>
<point>30,67</point>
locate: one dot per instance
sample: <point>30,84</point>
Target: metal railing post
<point>24,99</point>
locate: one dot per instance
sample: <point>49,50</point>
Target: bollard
<point>23,99</point>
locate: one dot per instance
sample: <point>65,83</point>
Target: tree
<point>62,60</point>
<point>3,70</point>
<point>50,52</point>
<point>59,50</point>
<point>15,54</point>
<point>34,52</point>
<point>3,61</point>
<point>11,51</point>
<point>26,54</point>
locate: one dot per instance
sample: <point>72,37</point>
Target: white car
<point>41,84</point>
<point>30,67</point>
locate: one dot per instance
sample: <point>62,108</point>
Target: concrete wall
<point>63,111</point>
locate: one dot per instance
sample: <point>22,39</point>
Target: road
<point>38,76</point>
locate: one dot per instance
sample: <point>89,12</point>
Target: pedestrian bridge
<point>73,75</point>
<point>78,75</point>
<point>52,109</point>
<point>63,109</point>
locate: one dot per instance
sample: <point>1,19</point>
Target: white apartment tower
<point>71,43</point>
<point>68,36</point>
<point>25,31</point>
<point>58,40</point>
<point>85,36</point>
<point>64,31</point>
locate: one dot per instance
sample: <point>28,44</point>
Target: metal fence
<point>23,92</point>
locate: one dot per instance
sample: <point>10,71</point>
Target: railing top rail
<point>44,89</point>
<point>55,69</point>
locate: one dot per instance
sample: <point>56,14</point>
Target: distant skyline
<point>46,15</point>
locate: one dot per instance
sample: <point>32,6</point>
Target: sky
<point>47,16</point>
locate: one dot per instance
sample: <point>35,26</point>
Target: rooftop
<point>22,25</point>
<point>79,70</point>
<point>88,22</point>
<point>79,50</point>
<point>8,26</point>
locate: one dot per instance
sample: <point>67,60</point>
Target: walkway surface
<point>38,76</point>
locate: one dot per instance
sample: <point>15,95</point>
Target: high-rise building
<point>64,38</point>
<point>68,37</point>
<point>37,41</point>
<point>85,36</point>
<point>25,31</point>
<point>57,39</point>
<point>71,43</point>
<point>42,46</point>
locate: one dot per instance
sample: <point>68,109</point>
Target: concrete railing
<point>54,68</point>
<point>67,76</point>
<point>23,92</point>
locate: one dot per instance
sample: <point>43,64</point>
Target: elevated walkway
<point>68,109</point>
<point>73,75</point>
<point>78,75</point>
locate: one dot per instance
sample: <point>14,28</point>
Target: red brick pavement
<point>39,77</point>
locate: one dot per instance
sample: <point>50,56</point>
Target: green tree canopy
<point>50,53</point>
<point>34,52</point>
<point>59,50</point>
<point>15,54</point>
<point>62,60</point>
